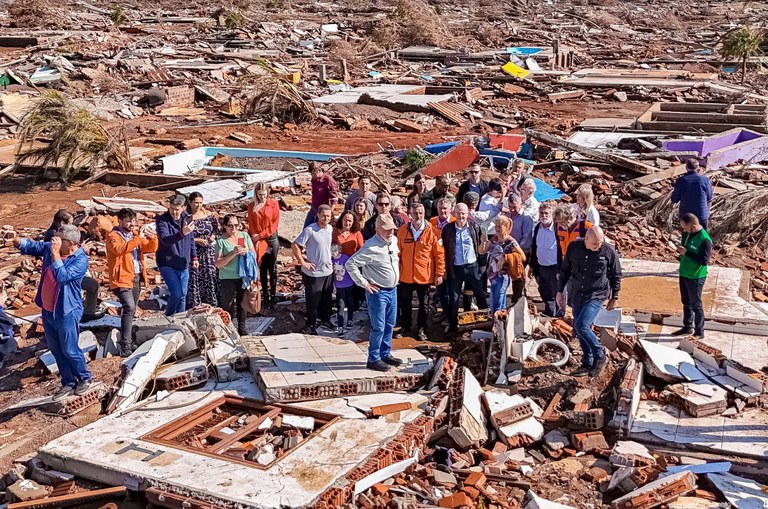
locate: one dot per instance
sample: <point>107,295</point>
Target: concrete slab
<point>296,480</point>
<point>298,367</point>
<point>741,493</point>
<point>665,362</point>
<point>652,287</point>
<point>216,191</point>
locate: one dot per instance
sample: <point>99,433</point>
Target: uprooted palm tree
<point>78,140</point>
<point>743,44</point>
<point>269,91</point>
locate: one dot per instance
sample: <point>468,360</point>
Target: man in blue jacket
<point>59,296</point>
<point>693,192</point>
<point>176,252</point>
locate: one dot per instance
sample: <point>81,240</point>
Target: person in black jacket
<point>464,242</point>
<point>176,253</point>
<point>383,206</point>
<point>475,183</point>
<point>593,268</point>
<point>546,258</point>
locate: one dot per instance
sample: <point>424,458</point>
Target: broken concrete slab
<point>523,422</point>
<point>657,492</point>
<point>741,493</point>
<point>664,362</point>
<point>467,423</point>
<point>141,366</point>
<point>693,503</point>
<point>626,453</point>
<point>629,397</point>
<point>699,399</point>
<point>24,490</point>
<point>113,450</point>
<point>298,367</point>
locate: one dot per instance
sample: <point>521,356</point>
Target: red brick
<point>455,501</point>
<point>475,479</point>
<point>379,489</point>
<point>486,455</point>
<point>472,492</point>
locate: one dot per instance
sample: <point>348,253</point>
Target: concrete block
<point>441,477</point>
<point>657,492</point>
<point>24,490</point>
<point>467,421</point>
<point>183,374</point>
<point>630,454</point>
<point>498,402</point>
<point>698,399</point>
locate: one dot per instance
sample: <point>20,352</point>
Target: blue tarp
<point>546,192</point>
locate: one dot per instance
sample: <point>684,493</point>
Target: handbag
<point>252,299</point>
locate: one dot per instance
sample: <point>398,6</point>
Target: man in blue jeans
<point>59,296</point>
<point>593,268</point>
<point>376,267</point>
<point>176,252</point>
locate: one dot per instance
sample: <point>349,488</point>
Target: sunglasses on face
<point>385,204</point>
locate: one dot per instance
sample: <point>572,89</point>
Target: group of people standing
<point>488,238</point>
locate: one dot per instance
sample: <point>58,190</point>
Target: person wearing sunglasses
<point>474,183</point>
<point>383,207</point>
<point>229,248</point>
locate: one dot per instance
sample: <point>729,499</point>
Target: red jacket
<point>263,224</point>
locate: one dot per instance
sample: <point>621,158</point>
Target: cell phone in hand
<point>241,242</point>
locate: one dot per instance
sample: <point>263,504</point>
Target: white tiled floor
<point>750,350</point>
<point>302,360</point>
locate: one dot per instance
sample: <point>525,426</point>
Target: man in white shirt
<point>376,268</point>
<point>316,269</point>
<point>530,203</point>
<point>546,258</point>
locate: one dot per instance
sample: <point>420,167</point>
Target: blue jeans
<point>61,334</point>
<point>177,281</point>
<point>499,287</point>
<point>382,310</point>
<point>584,314</point>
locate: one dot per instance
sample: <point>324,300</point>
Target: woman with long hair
<point>263,221</point>
<point>229,248</point>
<point>204,287</point>
<point>360,208</point>
<point>503,244</point>
<point>585,205</point>
<point>347,235</point>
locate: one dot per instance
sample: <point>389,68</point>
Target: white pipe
<point>552,342</point>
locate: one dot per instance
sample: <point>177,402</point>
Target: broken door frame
<point>165,434</point>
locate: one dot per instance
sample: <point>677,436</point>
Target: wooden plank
<point>614,159</point>
<point>75,499</point>
<point>248,428</point>
<point>447,112</point>
<point>660,175</point>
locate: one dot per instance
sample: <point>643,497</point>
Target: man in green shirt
<point>695,251</point>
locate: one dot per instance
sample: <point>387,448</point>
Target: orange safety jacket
<point>423,260</point>
<point>566,235</point>
<point>120,258</point>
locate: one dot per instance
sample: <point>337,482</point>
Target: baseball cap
<point>385,222</point>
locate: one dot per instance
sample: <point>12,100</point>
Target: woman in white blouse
<point>585,205</point>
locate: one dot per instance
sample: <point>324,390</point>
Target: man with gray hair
<point>59,296</point>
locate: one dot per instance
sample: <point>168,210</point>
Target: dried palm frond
<point>738,217</point>
<point>77,138</point>
<point>268,91</point>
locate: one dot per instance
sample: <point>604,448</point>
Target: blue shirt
<point>693,192</point>
<point>465,249</point>
<point>546,245</point>
<point>522,232</point>
<point>417,233</point>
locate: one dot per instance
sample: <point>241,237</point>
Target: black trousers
<point>405,298</point>
<point>232,293</point>
<point>91,300</point>
<point>345,300</point>
<point>518,290</point>
<point>547,281</point>
<point>464,277</point>
<point>129,299</point>
<point>268,268</point>
<point>318,292</point>
<point>693,309</point>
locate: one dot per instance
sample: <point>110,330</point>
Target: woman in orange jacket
<point>263,221</point>
<point>422,263</point>
<point>125,262</point>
